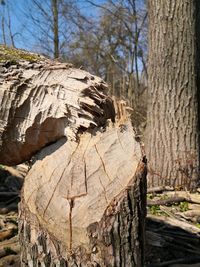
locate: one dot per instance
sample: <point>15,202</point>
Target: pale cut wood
<point>93,172</point>
<point>114,237</point>
<point>84,198</point>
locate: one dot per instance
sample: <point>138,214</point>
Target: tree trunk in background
<point>198,65</point>
<point>54,4</point>
<point>172,131</point>
<point>84,198</point>
<point>3,30</point>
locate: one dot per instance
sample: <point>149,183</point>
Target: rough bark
<point>83,201</point>
<point>197,29</point>
<point>173,134</point>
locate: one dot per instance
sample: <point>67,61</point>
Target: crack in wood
<point>49,180</point>
<point>71,204</point>
<point>102,163</point>
<point>83,159</point>
<point>59,181</point>
<point>85,173</point>
<point>104,190</point>
<point>120,141</point>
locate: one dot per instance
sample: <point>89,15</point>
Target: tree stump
<point>84,199</point>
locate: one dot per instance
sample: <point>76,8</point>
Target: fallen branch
<point>173,222</point>
<point>167,211</point>
<point>5,234</point>
<point>189,197</point>
<point>159,189</point>
<point>190,215</point>
<point>168,201</point>
<point>175,197</point>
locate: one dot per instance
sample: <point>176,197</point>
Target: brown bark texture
<point>172,130</point>
<point>84,197</point>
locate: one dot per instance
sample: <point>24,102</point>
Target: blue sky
<point>22,38</point>
<point>25,32</point>
<point>23,35</point>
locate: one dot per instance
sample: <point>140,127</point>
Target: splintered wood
<point>83,200</point>
<point>41,104</point>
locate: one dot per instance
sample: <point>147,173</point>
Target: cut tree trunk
<point>84,198</point>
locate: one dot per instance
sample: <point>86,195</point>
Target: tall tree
<point>117,39</point>
<point>173,133</point>
<point>50,24</point>
<point>54,4</point>
<point>8,37</point>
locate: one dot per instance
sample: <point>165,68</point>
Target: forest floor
<point>11,181</point>
<point>172,225</point>
<point>172,228</point>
